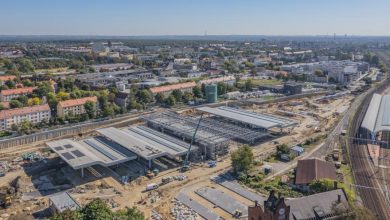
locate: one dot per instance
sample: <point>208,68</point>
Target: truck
<point>212,163</point>
<point>166,180</point>
<point>151,186</point>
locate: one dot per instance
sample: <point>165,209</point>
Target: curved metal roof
<point>377,117</point>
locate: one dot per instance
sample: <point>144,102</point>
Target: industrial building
<point>377,118</point>
<point>255,120</point>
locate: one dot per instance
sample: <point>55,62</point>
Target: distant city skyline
<point>182,17</point>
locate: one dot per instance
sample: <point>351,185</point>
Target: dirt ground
<point>307,112</point>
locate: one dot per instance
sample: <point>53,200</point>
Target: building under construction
<point>213,135</point>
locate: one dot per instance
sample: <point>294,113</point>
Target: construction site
<point>168,164</point>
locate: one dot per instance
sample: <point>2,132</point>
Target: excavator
<point>186,162</point>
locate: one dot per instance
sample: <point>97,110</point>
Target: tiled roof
<point>7,77</point>
<point>4,114</point>
<point>314,169</point>
<point>179,86</point>
<point>18,91</point>
<point>75,102</point>
<point>217,80</point>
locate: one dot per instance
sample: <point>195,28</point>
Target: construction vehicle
<point>149,174</point>
<point>6,196</point>
<point>166,180</point>
<point>186,162</point>
<point>212,163</point>
<point>151,186</point>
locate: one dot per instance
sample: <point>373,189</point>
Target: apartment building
<point>33,114</point>
<point>74,106</point>
<point>166,90</point>
<point>4,78</point>
<point>8,94</point>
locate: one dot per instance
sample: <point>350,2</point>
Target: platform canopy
<point>145,142</point>
<point>260,120</point>
<point>91,151</point>
<point>377,117</point>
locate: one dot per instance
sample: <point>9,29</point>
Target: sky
<point>194,17</point>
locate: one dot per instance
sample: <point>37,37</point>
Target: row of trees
<point>98,210</point>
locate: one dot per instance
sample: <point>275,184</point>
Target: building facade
<point>8,94</point>
<point>74,106</point>
<point>33,114</point>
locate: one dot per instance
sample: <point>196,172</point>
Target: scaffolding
<point>213,136</point>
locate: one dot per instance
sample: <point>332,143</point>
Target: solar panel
<point>101,150</point>
<point>68,146</point>
<point>78,153</point>
<point>58,148</point>
<point>68,156</point>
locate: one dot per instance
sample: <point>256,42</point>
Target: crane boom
<point>186,163</point>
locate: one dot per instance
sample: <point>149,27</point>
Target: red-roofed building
<point>33,114</point>
<point>166,90</point>
<point>8,94</point>
<point>74,106</point>
<point>4,78</point>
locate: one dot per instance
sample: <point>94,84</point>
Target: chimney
<point>338,198</point>
<point>335,184</point>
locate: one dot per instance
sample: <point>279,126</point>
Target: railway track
<point>371,191</point>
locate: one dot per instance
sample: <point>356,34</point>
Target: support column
<point>373,137</point>
<point>82,172</point>
<point>150,164</point>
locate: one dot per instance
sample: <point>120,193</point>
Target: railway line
<point>373,181</point>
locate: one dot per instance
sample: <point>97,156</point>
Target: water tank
<point>211,93</point>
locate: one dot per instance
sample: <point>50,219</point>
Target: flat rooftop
<point>145,142</point>
<point>256,119</point>
<point>63,201</point>
<point>91,151</point>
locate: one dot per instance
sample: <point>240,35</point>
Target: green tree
<point>23,99</point>
<point>187,96</point>
<point>2,106</point>
<point>15,104</point>
<point>242,159</point>
<point>249,84</point>
<point>178,95</point>
<point>321,185</point>
<point>282,149</point>
<point>144,96</point>
<point>10,84</point>
<point>90,109</point>
<point>130,214</point>
<point>68,215</point>
<point>171,101</point>
<point>26,66</point>
<point>43,89</point>
<point>159,98</point>
<point>197,91</point>
<point>222,88</point>
<point>97,209</point>
<point>319,73</point>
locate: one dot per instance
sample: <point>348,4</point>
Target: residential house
<point>33,114</point>
<point>313,169</point>
<point>327,205</point>
<point>8,94</point>
<point>4,78</point>
<point>74,106</point>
